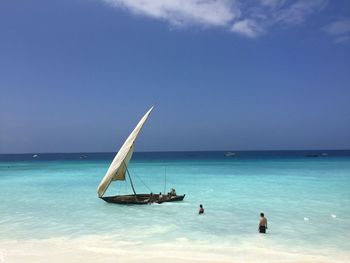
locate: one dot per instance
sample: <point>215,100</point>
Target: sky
<point>77,75</point>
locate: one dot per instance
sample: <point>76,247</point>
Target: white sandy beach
<point>106,249</point>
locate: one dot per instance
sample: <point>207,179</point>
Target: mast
<point>164,181</point>
<point>132,185</point>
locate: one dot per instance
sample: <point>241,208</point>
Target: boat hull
<point>141,199</point>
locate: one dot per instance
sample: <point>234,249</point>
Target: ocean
<point>50,212</point>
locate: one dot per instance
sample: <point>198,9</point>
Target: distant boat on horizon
<point>230,154</point>
<point>118,170</point>
<point>312,155</point>
<point>317,155</point>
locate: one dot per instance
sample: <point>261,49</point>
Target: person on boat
<point>173,192</point>
<point>160,196</point>
<point>262,223</point>
<point>201,209</point>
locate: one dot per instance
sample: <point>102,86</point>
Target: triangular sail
<point>117,169</point>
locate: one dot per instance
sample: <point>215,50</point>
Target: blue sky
<point>77,75</point>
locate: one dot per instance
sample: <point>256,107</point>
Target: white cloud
<point>339,29</point>
<point>248,18</point>
<point>183,12</point>
<point>246,27</point>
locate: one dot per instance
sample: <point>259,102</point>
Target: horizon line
<point>259,150</point>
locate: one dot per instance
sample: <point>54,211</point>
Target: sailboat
<point>118,170</point>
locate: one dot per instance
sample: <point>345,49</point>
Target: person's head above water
<point>262,214</point>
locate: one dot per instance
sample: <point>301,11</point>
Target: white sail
<point>117,169</point>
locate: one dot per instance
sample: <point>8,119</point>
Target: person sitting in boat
<point>173,192</point>
<point>262,223</point>
<point>160,197</point>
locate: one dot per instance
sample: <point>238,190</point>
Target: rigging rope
<point>142,181</point>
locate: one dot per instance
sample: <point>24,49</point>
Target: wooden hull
<point>141,199</point>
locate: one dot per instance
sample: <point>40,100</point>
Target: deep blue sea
<point>304,194</point>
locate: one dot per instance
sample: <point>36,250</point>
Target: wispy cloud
<point>247,27</point>
<point>248,18</point>
<point>183,12</point>
<point>339,29</point>
<point>297,12</point>
<point>270,3</point>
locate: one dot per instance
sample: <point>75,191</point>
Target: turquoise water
<point>306,200</point>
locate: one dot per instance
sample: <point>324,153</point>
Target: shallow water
<point>306,200</point>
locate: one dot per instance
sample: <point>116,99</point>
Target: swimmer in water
<point>201,209</point>
<point>262,223</point>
